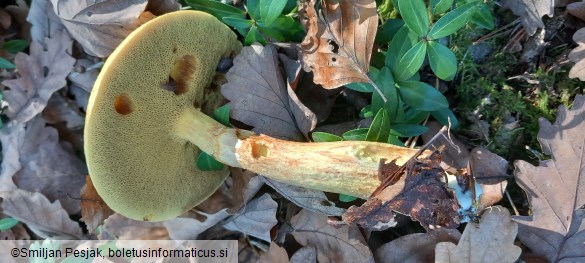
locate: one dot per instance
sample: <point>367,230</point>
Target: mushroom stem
<point>347,167</point>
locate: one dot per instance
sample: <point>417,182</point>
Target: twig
<point>511,203</point>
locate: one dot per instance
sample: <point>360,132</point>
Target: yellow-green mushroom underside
<point>146,123</point>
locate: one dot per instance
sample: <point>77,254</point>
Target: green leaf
<point>440,6</point>
<point>346,198</point>
<point>414,14</point>
<point>222,114</point>
<point>242,25</point>
<point>4,63</point>
<point>15,46</point>
<point>452,21</point>
<point>253,7</point>
<point>364,86</point>
<point>284,28</point>
<point>422,96</point>
<point>445,116</point>
<point>387,85</point>
<point>380,128</point>
<point>442,60</point>
<point>400,44</point>
<point>483,17</point>
<point>408,130</point>
<point>270,10</point>
<point>325,137</point>
<point>7,223</point>
<point>216,9</point>
<point>412,115</point>
<point>356,134</point>
<point>388,31</point>
<point>366,112</point>
<point>206,162</point>
<point>411,62</point>
<point>395,141</point>
<point>254,36</point>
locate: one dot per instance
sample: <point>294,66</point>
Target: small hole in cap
<point>123,104</point>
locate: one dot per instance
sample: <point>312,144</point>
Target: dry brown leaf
<point>46,219</point>
<point>414,248</point>
<point>189,228</point>
<point>490,172</point>
<point>160,7</point>
<point>259,97</point>
<point>531,12</point>
<point>490,241</point>
<point>121,228</point>
<point>453,158</point>
<point>256,218</point>
<point>556,188</point>
<point>41,74</point>
<point>338,47</point>
<point>93,208</point>
<point>418,192</point>
<point>36,161</point>
<point>306,198</point>
<point>577,9</point>
<point>45,24</point>
<point>276,254</point>
<point>100,26</point>
<point>577,55</point>
<point>342,244</point>
<point>305,254</point>
<point>62,110</point>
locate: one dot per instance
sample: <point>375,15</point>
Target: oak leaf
<point>338,46</point>
<point>342,244</point>
<point>259,97</point>
<point>492,240</point>
<point>577,55</point>
<point>41,74</point>
<point>100,26</point>
<point>276,254</point>
<point>414,248</point>
<point>45,218</point>
<point>45,23</point>
<point>36,161</point>
<point>489,171</point>
<point>556,189</point>
<point>93,208</point>
<point>531,12</point>
<point>256,218</point>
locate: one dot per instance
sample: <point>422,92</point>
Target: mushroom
<point>147,122</point>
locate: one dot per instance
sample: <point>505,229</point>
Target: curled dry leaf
<point>490,241</point>
<point>46,219</point>
<point>189,228</point>
<point>93,209</point>
<point>414,248</point>
<point>100,26</point>
<point>531,12</point>
<point>41,74</point>
<point>417,191</point>
<point>338,47</point>
<point>342,244</point>
<point>577,55</point>
<point>556,189</point>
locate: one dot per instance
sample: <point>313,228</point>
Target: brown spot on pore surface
<point>259,150</point>
<point>123,104</point>
<point>181,73</point>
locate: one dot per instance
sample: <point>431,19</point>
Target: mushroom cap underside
<point>138,166</point>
